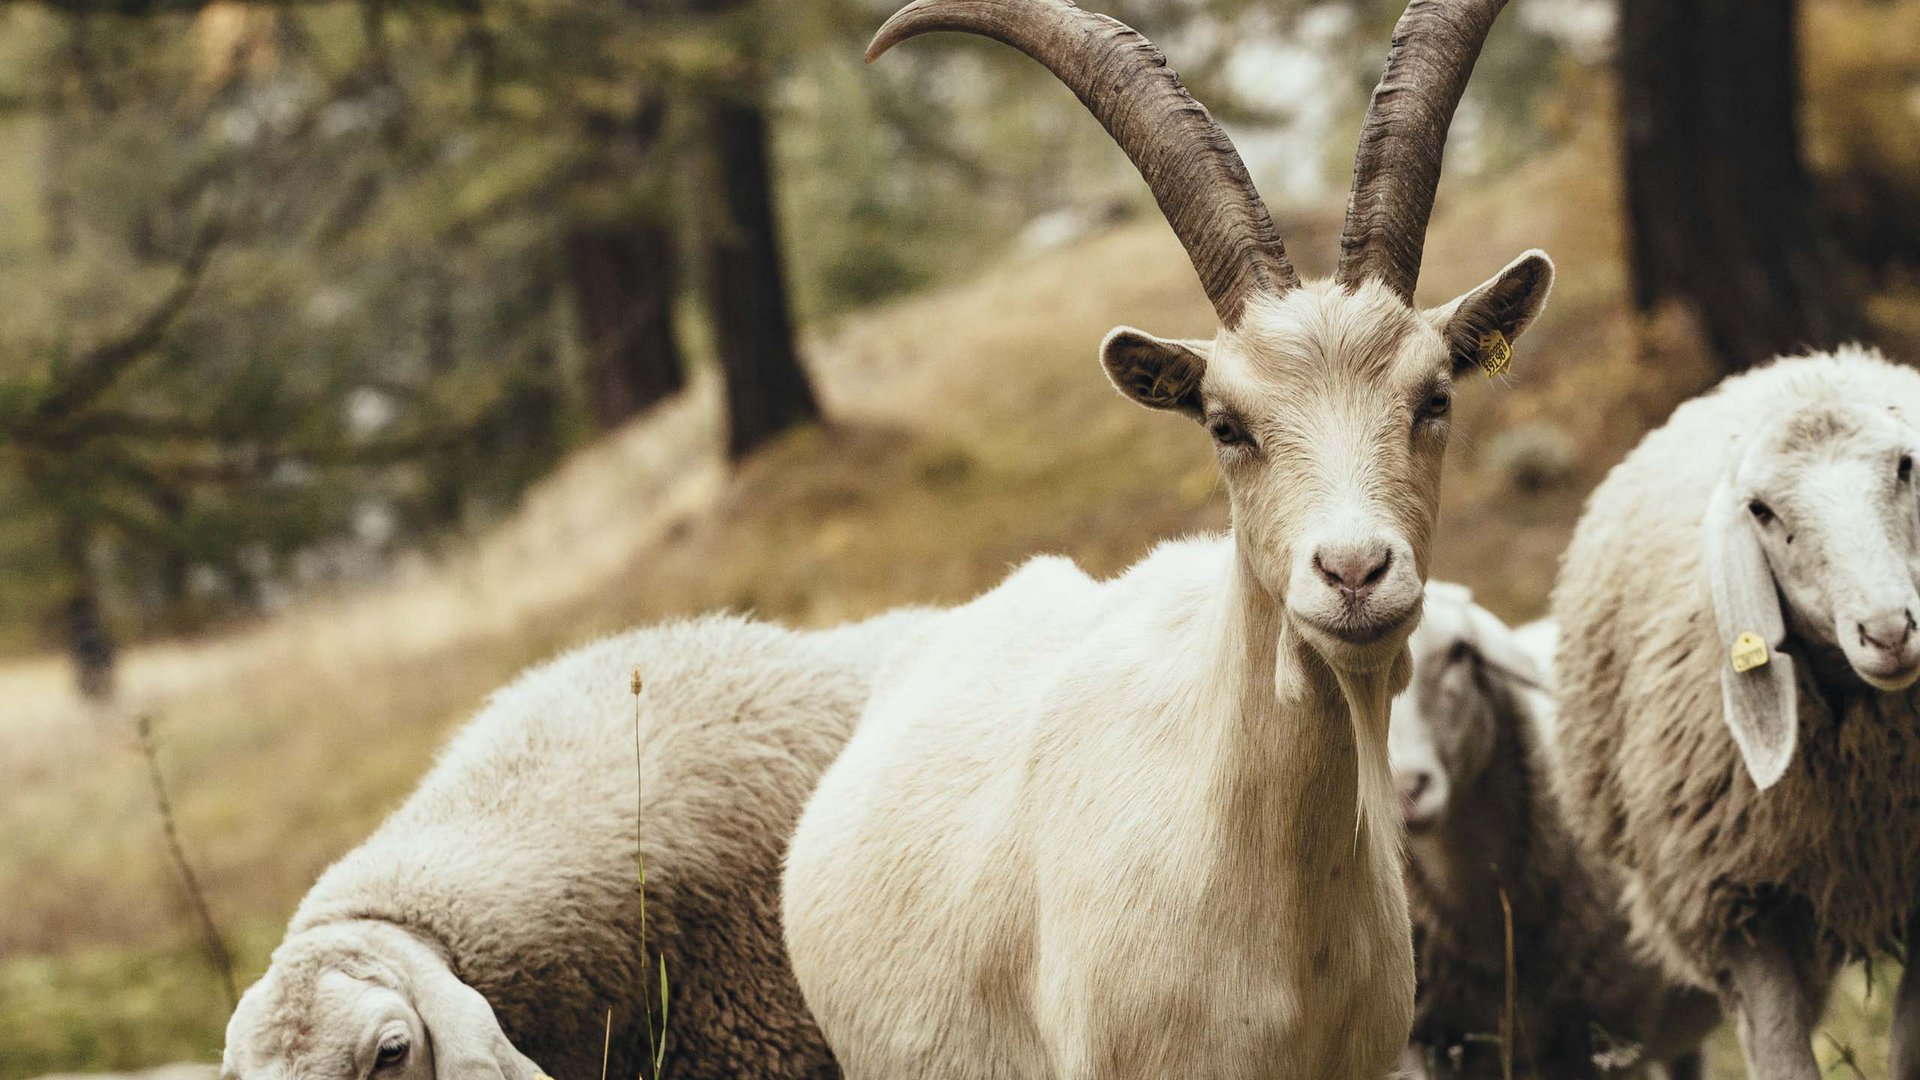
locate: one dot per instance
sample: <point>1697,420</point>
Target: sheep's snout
<point>1883,648</point>
<point>1420,776</point>
<point>1423,797</point>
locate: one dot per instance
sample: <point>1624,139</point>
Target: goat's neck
<point>1302,771</point>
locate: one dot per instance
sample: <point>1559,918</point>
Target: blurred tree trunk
<point>623,289</point>
<point>171,578</point>
<point>623,275</point>
<point>767,389</point>
<point>1721,213</point>
<point>89,642</point>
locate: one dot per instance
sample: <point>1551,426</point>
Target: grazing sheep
<point>1145,827</point>
<point>494,919</point>
<point>1482,829</point>
<point>1738,738</point>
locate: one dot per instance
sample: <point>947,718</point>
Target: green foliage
<point>113,1009</point>
<point>382,346</point>
<point>374,330</point>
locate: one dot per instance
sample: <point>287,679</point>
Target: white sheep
<point>1485,839</point>
<point>1145,827</point>
<point>493,920</point>
<point>1738,737</point>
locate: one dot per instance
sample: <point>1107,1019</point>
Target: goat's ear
<point>1481,326</point>
<point>1760,702</point>
<point>1155,372</point>
<point>468,1043</point>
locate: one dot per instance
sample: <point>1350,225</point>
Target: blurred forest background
<point>356,354</point>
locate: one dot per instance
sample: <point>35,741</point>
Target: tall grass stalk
<point>656,1040</point>
<point>1506,1015</point>
<point>606,1046</point>
<point>219,957</point>
<point>1846,1054</point>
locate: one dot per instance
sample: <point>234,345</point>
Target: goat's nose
<point>1353,569</point>
<point>1888,633</point>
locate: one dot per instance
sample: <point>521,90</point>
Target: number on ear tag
<point>1749,652</point>
<point>1496,353</point>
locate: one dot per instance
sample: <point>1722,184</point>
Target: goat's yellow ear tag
<point>1749,652</point>
<point>1496,353</point>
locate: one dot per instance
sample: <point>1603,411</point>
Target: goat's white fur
<point>1145,827</point>
<point>1126,785</point>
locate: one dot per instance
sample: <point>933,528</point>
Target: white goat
<point>1145,827</point>
<point>1739,735</point>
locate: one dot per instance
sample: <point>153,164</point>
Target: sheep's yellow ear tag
<point>1749,652</point>
<point>1496,353</point>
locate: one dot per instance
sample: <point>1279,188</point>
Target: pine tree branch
<point>100,367</point>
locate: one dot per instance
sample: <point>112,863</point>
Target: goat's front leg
<point>1772,1000</point>
<point>1903,1042</point>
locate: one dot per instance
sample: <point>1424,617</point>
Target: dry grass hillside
<point>972,429</point>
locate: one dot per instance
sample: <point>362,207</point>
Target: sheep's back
<point>518,850</point>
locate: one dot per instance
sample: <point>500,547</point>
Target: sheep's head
<point>1328,402</point>
<point>366,1001</point>
<point>1819,510</point>
<point>1469,669</point>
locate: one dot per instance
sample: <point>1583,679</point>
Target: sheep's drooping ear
<point>467,1041</point>
<point>1481,326</point>
<point>1497,644</point>
<point>1155,372</point>
<point>1757,686</point>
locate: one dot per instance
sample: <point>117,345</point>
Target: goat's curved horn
<point>1397,166</point>
<point>1196,175</point>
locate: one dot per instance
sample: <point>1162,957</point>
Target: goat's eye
<point>1761,512</point>
<point>1905,470</point>
<point>1438,404</point>
<point>392,1052</point>
<point>1228,432</point>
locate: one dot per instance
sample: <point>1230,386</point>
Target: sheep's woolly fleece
<point>517,852</point>
<point>1651,778</point>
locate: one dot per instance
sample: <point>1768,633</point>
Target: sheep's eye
<point>392,1052</point>
<point>1905,471</point>
<point>1761,512</point>
<point>1228,432</point>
